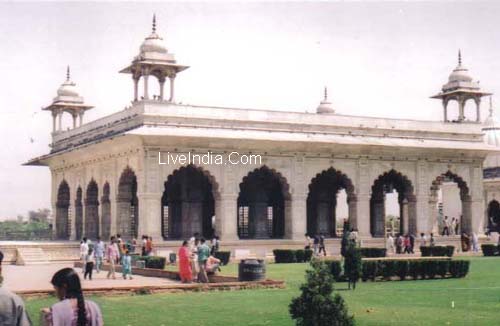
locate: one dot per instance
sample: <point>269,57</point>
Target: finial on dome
<point>326,93</point>
<point>325,106</point>
<point>154,23</point>
<point>67,73</point>
<point>459,57</point>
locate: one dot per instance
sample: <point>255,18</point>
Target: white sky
<point>378,59</point>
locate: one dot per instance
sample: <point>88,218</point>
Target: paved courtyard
<point>37,278</point>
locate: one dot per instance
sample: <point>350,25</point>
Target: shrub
<point>401,268</point>
<point>369,270</point>
<point>490,249</point>
<point>284,256</point>
<point>155,262</point>
<point>373,252</point>
<point>316,306</point>
<point>388,269</point>
<point>300,255</point>
<point>415,268</point>
<point>308,253</point>
<point>335,269</point>
<point>440,251</point>
<point>459,268</point>
<point>352,265</point>
<point>224,257</point>
<point>442,267</point>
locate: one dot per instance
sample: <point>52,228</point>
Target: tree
<point>316,306</point>
<point>345,238</point>
<point>352,264</point>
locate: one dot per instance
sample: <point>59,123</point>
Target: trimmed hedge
<point>156,262</point>
<point>372,252</point>
<point>416,269</point>
<point>335,268</point>
<point>439,251</point>
<point>224,257</point>
<point>292,256</point>
<point>490,249</point>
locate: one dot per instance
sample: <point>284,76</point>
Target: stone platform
<point>68,251</point>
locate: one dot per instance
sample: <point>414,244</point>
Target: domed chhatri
<point>461,87</point>
<point>153,59</point>
<point>67,100</point>
<point>325,106</point>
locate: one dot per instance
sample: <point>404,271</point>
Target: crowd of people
<point>197,259</point>
<point>72,308</point>
<point>115,252</point>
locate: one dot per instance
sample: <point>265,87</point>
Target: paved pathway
<point>37,278</point>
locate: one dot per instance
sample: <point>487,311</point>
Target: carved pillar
<point>478,109</point>
<point>461,105</point>
<point>54,121</point>
<point>172,78</point>
<point>136,87</point>
<point>227,217</point>
<point>363,200</point>
<point>445,110</point>
<point>405,216</point>
<point>150,215</point>
<point>80,114</point>
<point>74,115</point>
<point>162,87</point>
<point>60,120</point>
<point>146,86</point>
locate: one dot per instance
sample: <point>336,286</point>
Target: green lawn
<point>476,299</point>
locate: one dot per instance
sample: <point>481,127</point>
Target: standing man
<point>12,310</point>
<point>99,254</point>
<point>322,245</point>
<point>389,245</point>
<point>84,250</point>
<point>203,254</point>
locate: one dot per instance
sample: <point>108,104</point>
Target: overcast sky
<point>377,59</point>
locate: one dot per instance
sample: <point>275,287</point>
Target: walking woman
<point>185,270</point>
<point>72,309</point>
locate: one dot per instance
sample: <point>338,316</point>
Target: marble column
<point>226,210</point>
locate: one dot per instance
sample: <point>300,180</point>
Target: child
<point>89,264</point>
<point>126,265</point>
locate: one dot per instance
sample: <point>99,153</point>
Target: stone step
<point>31,256</point>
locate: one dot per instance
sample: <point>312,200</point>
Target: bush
<point>369,270</point>
<point>459,268</point>
<point>387,269</point>
<point>439,251</point>
<point>155,262</point>
<point>373,252</point>
<point>352,265</point>
<point>284,256</point>
<point>224,257</point>
<point>308,253</point>
<point>335,269</point>
<point>300,255</point>
<point>316,306</point>
<point>442,268</point>
<point>401,269</point>
<point>490,249</point>
<point>292,256</point>
<point>415,268</point>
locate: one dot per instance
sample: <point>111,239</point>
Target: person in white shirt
<point>390,244</point>
<point>84,249</point>
<point>423,240</point>
<point>475,242</point>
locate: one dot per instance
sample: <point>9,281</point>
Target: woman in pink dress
<point>72,309</point>
<point>185,271</point>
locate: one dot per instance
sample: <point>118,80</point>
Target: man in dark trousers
<point>322,245</point>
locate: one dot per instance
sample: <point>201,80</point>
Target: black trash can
<point>252,270</point>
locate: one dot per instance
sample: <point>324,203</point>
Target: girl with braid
<point>73,309</point>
